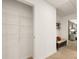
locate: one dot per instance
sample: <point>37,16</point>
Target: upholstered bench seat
<point>61,41</point>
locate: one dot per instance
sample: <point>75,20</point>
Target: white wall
<point>44,29</point>
<point>17,30</point>
<point>58,20</point>
<point>16,47</point>
<point>64,25</point>
<point>29,2</point>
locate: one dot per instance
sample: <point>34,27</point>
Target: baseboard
<point>50,55</point>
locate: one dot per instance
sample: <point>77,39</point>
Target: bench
<point>60,42</point>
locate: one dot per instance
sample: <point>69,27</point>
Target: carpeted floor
<point>68,52</point>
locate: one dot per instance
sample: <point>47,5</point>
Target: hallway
<point>30,28</point>
<point>69,52</point>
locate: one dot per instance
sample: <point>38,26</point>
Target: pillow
<point>58,38</point>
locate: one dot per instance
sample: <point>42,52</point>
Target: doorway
<point>72,30</point>
<point>17,30</point>
<point>72,34</point>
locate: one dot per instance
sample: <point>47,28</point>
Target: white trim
<point>26,2</point>
<point>51,54</point>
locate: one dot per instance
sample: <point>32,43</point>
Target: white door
<point>17,30</point>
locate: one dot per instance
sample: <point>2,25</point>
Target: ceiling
<point>64,7</point>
